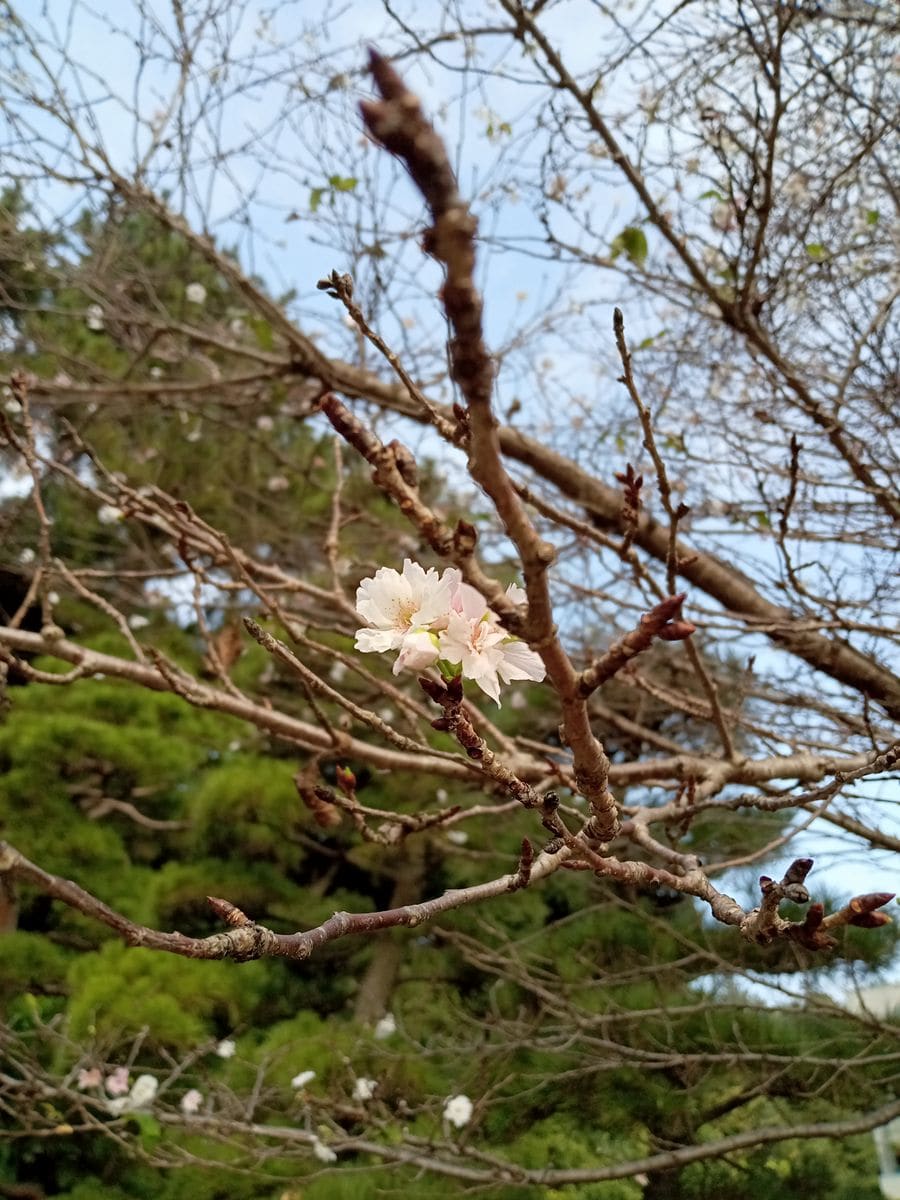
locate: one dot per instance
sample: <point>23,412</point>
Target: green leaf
<point>817,252</point>
<point>265,339</point>
<point>712,194</point>
<point>149,1129</point>
<point>872,216</point>
<point>315,198</point>
<point>342,183</point>
<point>651,340</point>
<point>632,242</point>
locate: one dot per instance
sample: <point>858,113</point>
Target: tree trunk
<point>374,995</point>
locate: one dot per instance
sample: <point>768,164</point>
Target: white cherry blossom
<point>301,1080</point>
<point>109,514</point>
<point>420,649</point>
<point>364,1089</point>
<point>458,1111</point>
<point>322,1152</point>
<point>431,618</point>
<point>385,1027</point>
<point>485,652</point>
<point>143,1091</point>
<point>191,1101</point>
<point>399,604</point>
<point>117,1082</point>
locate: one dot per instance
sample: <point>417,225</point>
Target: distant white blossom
<point>385,1027</point>
<point>458,1111</point>
<point>90,1078</point>
<point>143,1091</point>
<point>117,1082</point>
<point>108,514</point>
<point>137,621</point>
<point>27,556</point>
<point>265,423</point>
<point>93,318</point>
<point>364,1089</point>
<point>278,483</point>
<point>195,293</point>
<point>322,1152</point>
<point>191,1101</point>
<point>337,671</point>
<point>301,1080</point>
<point>226,1048</point>
<point>458,837</point>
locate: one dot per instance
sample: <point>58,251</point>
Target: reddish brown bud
<point>465,537</point>
<point>345,780</point>
<point>387,80</point>
<point>815,915</point>
<point>872,900</point>
<point>228,912</point>
<point>870,920</point>
<point>677,631</point>
<point>433,689</point>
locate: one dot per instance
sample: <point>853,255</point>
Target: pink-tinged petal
<point>520,662</point>
<point>516,594</point>
<point>470,602</point>
<point>117,1083</point>
<point>455,639</point>
<point>419,650</point>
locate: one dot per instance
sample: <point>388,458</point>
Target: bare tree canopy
<point>449,487</point>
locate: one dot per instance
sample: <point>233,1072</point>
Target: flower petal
<point>520,662</point>
<point>419,650</point>
<point>376,641</point>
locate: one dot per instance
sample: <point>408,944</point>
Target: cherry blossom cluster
<point>437,620</point>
